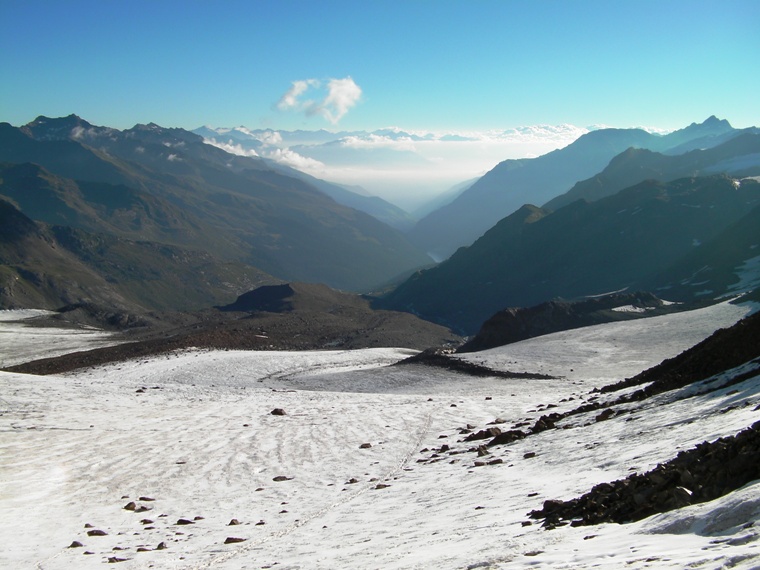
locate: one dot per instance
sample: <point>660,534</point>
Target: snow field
<point>193,431</point>
<point>20,342</point>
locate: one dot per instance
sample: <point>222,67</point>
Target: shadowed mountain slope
<point>728,264</point>
<point>513,183</point>
<point>256,214</point>
<point>107,208</point>
<point>51,266</point>
<point>582,249</point>
<point>34,272</point>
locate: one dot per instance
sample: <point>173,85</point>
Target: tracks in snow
<point>390,474</point>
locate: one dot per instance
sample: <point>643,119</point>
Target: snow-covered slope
<point>20,342</point>
<point>193,431</point>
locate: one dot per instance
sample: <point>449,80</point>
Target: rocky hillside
<point>728,360</point>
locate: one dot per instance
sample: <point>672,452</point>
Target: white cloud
<point>290,99</point>
<point>342,94</point>
<point>562,134</point>
<point>374,141</point>
<point>423,165</point>
<point>173,158</point>
<point>270,137</point>
<point>231,147</point>
<point>293,159</point>
<point>338,96</point>
<point>283,156</point>
<point>80,132</point>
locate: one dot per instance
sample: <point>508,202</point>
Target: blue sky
<point>424,65</point>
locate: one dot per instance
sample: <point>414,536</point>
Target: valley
<point>213,360</point>
<point>348,285</point>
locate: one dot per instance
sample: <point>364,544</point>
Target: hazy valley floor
<point>193,431</point>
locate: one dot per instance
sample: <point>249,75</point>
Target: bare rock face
<point>703,473</point>
<point>507,437</point>
<point>484,434</point>
<point>516,324</point>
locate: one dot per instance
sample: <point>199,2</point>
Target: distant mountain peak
<point>711,123</point>
<point>61,128</point>
<point>712,119</point>
<point>58,122</point>
<point>166,135</point>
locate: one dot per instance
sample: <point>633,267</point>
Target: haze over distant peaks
<point>406,167</point>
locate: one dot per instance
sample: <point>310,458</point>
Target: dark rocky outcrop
<point>484,434</point>
<point>516,324</point>
<point>723,350</point>
<point>706,472</point>
<point>441,358</point>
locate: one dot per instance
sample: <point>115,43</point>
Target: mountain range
<point>150,219</point>
<point>515,182</point>
<point>646,236</point>
<point>167,186</point>
<point>207,266</point>
<point>738,156</point>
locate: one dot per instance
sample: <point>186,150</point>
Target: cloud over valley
<point>405,167</point>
